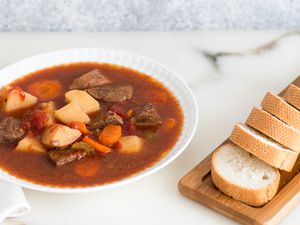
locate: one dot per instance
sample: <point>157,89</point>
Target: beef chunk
<point>77,151</point>
<point>108,118</point>
<point>11,130</point>
<point>112,118</point>
<point>63,156</point>
<point>111,93</point>
<point>146,116</point>
<point>91,79</point>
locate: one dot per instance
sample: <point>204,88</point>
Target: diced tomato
<point>129,128</point>
<point>35,121</point>
<point>39,119</point>
<point>19,91</point>
<point>30,134</point>
<point>26,124</point>
<point>118,108</point>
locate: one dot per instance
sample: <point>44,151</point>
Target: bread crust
<point>274,128</point>
<point>282,110</point>
<point>292,95</point>
<point>253,197</point>
<point>283,159</point>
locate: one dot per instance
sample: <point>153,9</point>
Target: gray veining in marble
<point>213,57</point>
<point>158,15</point>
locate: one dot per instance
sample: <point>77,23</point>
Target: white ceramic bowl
<point>139,63</point>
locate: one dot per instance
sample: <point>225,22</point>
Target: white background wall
<point>159,15</point>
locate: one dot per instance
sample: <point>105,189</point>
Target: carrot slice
<point>110,135</point>
<point>87,168</point>
<point>97,146</point>
<point>45,89</point>
<point>129,113</point>
<point>168,124</point>
<point>79,126</point>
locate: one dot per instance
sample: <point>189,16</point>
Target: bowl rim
<point>126,180</point>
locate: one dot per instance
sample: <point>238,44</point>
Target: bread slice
<point>282,110</point>
<point>292,95</point>
<point>274,128</point>
<point>243,176</point>
<point>263,147</point>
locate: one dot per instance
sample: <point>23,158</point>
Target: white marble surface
<point>154,15</point>
<point>228,73</point>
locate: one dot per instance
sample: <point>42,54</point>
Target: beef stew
<point>85,124</point>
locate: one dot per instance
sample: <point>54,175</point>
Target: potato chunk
<point>30,144</point>
<point>131,144</point>
<point>58,135</point>
<point>71,113</point>
<point>15,99</point>
<point>84,100</point>
<point>49,109</point>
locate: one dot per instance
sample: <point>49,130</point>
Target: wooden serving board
<point>198,185</point>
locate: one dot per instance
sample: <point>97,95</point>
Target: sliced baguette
<point>274,128</point>
<point>276,106</point>
<point>243,176</point>
<point>263,147</point>
<point>292,96</point>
